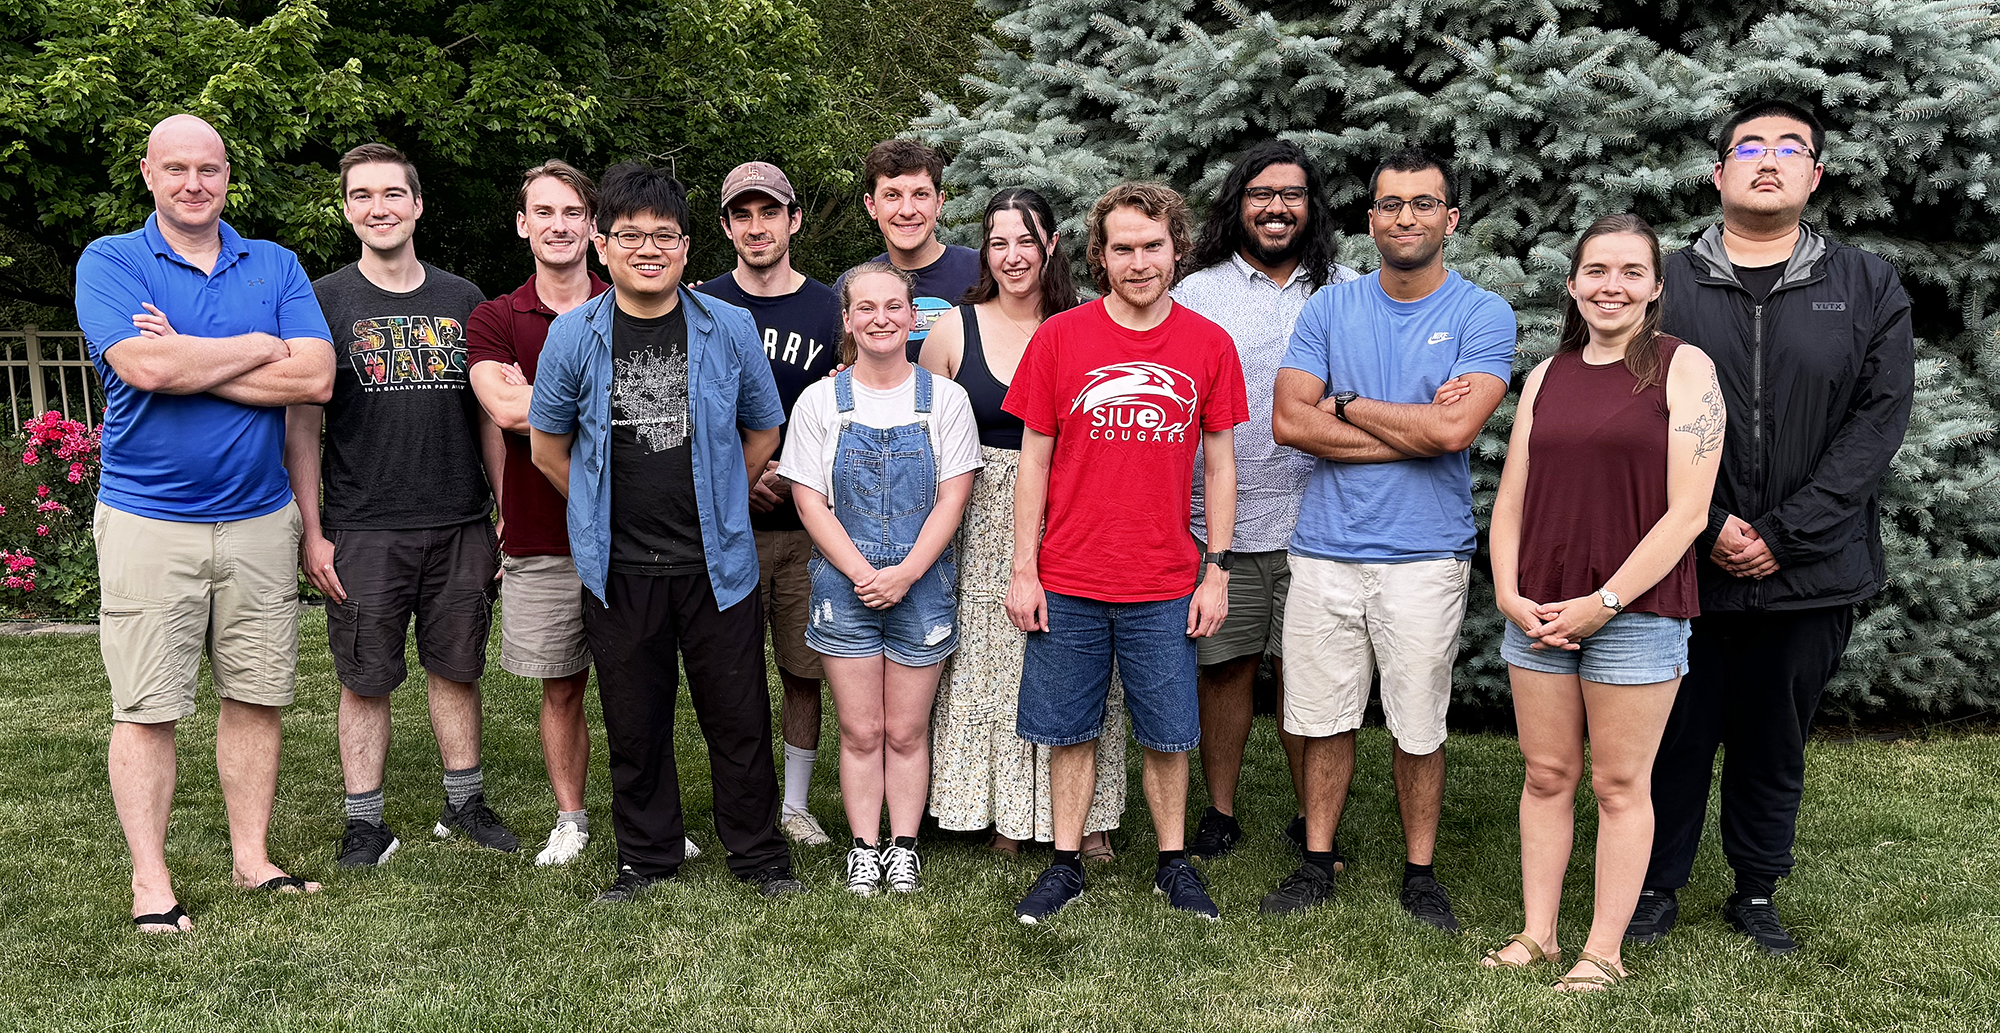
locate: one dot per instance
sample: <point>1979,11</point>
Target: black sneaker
<point>364,844</point>
<point>479,823</point>
<point>1295,834</point>
<point>1217,835</point>
<point>775,881</point>
<point>628,886</point>
<point>1058,885</point>
<point>1182,885</point>
<point>1757,918</point>
<point>1300,890</point>
<point>1654,918</point>
<point>1427,902</point>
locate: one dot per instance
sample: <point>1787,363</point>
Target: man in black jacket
<point>1813,355</point>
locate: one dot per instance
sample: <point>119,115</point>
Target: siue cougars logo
<point>1137,401</point>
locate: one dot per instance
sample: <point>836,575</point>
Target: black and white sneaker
<point>628,886</point>
<point>1057,886</point>
<point>902,869</point>
<point>1757,918</point>
<point>1182,885</point>
<point>364,844</point>
<point>864,870</point>
<point>1305,887</point>
<point>775,881</point>
<point>1653,918</point>
<point>1427,902</point>
<point>479,824</point>
<point>1216,835</point>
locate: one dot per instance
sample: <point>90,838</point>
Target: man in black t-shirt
<point>409,457</point>
<point>799,318</point>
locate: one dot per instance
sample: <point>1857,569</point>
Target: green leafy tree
<point>1556,112</point>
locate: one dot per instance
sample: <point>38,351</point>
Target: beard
<point>769,258</point>
<point>1266,254</point>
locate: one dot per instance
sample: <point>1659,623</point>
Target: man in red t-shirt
<point>1115,395</point>
<point>541,598</point>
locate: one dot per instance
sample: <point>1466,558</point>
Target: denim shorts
<point>1066,673</point>
<point>919,631</point>
<point>1630,649</point>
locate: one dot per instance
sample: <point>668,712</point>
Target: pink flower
<point>29,458</point>
<point>3,510</point>
<point>76,473</point>
<point>48,506</point>
<point>13,582</point>
<point>42,529</point>
<point>41,491</point>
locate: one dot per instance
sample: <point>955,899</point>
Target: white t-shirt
<point>813,435</point>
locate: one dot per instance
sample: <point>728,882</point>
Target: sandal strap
<point>281,882</point>
<point>171,916</point>
<point>1610,977</point>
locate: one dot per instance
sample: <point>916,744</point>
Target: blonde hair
<point>849,348</point>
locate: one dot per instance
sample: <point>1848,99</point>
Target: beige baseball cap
<point>756,176</point>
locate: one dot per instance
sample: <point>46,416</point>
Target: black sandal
<point>171,919</point>
<point>280,884</point>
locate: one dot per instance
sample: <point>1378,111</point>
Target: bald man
<point>201,338</point>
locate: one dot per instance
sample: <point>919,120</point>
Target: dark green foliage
<point>1557,112</point>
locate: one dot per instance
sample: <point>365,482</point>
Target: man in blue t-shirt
<point>1387,381</point>
<point>201,338</point>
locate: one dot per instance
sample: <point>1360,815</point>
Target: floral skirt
<point>982,774</point>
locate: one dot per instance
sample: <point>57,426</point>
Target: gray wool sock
<point>365,806</point>
<point>581,819</point>
<point>460,786</point>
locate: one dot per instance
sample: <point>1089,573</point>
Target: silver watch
<point>1610,599</point>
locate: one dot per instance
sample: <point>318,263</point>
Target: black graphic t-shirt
<point>402,440</point>
<point>801,332</point>
<point>655,525</point>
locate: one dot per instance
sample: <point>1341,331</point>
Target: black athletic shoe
<point>628,886</point>
<point>1295,834</point>
<point>1217,835</point>
<point>1058,885</point>
<point>775,881</point>
<point>1300,890</point>
<point>1757,918</point>
<point>1182,885</point>
<point>1427,902</point>
<point>479,823</point>
<point>1654,918</point>
<point>365,844</point>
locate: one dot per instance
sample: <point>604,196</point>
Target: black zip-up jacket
<point>1818,381</point>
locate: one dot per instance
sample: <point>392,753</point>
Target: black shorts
<point>444,575</point>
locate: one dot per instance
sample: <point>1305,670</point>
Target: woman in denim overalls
<point>884,607</point>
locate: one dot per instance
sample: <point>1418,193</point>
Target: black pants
<point>634,641</point>
<point>1753,684</point>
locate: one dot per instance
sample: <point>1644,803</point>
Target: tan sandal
<point>1536,955</point>
<point>1100,852</point>
<point>1608,977</point>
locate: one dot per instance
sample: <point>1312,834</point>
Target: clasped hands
<point>1741,551</point>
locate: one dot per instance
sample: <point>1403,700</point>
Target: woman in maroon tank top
<point>1609,471</point>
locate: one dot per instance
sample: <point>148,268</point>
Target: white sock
<point>798,777</point>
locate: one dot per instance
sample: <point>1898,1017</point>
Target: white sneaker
<point>864,871</point>
<point>802,828</point>
<point>689,851</point>
<point>902,868</point>
<point>565,843</point>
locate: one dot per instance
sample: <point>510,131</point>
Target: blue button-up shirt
<point>729,387</point>
<point>191,457</point>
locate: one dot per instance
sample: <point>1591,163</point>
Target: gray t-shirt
<point>1258,312</point>
<point>402,441</point>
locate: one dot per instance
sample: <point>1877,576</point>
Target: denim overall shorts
<point>884,488</point>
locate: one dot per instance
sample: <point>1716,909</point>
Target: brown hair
<point>568,175</point>
<point>849,348</point>
<point>1058,289</point>
<point>372,153</point>
<point>900,157</point>
<point>1642,355</point>
<point>1153,200</point>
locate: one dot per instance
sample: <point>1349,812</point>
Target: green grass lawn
<point>1897,902</point>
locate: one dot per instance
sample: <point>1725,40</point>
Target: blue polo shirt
<point>194,458</point>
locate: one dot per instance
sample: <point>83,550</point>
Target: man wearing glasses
<point>1388,380</point>
<point>663,399</point>
<point>1813,354</point>
<point>1268,245</point>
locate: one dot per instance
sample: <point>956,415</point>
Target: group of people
<point>999,520</point>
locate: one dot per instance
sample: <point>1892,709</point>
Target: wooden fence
<point>36,360</point>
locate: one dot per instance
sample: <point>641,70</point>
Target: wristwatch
<point>1610,599</point>
<point>1340,400</point>
<point>1225,559</point>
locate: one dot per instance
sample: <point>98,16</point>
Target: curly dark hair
<point>1222,234</point>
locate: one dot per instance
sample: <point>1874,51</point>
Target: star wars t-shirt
<point>1127,408</point>
<point>402,441</point>
<point>655,525</point>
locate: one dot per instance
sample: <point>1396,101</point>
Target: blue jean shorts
<point>919,631</point>
<point>1630,649</point>
<point>1066,673</point>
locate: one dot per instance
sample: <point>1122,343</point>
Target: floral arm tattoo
<point>1707,428</point>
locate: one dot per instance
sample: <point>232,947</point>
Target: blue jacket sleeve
<point>559,376</point>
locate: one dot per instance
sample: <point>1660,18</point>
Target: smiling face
<point>906,209</point>
<point>1139,256</point>
<point>1614,283</point>
<point>1407,240</point>
<point>645,271</point>
<point>879,314</point>
<point>381,207</point>
<point>187,172</point>
<point>555,222</point>
<point>1274,234</point>
<point>1014,254</point>
<point>760,227</point>
<point>1769,187</point>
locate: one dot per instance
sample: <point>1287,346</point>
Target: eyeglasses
<point>1261,197</point>
<point>668,240</point>
<point>1756,151</point>
<point>1425,205</point>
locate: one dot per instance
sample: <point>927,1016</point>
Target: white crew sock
<point>798,777</point>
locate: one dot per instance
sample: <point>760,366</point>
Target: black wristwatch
<point>1223,560</point>
<point>1340,401</point>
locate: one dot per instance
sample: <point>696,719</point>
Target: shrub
<point>48,489</point>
